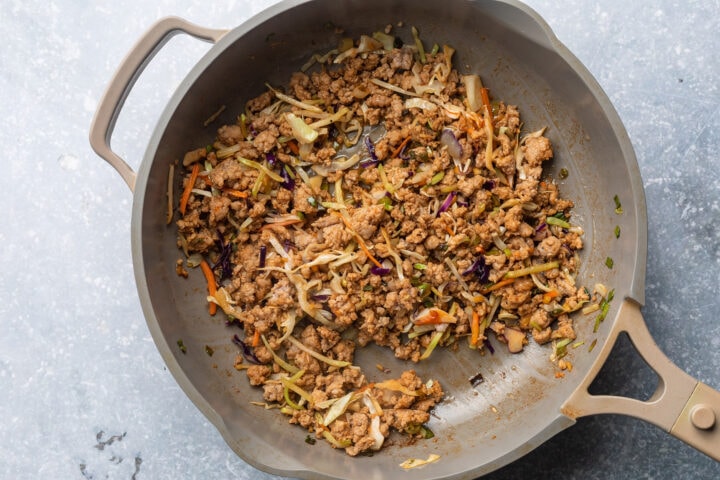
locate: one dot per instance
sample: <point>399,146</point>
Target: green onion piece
<point>209,350</point>
<point>435,49</point>
<point>367,288</point>
<point>419,266</point>
<point>618,205</point>
<point>617,231</point>
<point>543,267</point>
<point>181,346</point>
<point>312,202</point>
<point>431,346</point>
<point>557,221</point>
<point>564,173</point>
<point>291,404</point>
<point>609,262</point>
<point>592,345</point>
<point>437,177</point>
<point>418,44</point>
<point>389,187</point>
<point>386,203</point>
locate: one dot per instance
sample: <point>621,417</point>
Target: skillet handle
<point>682,406</point>
<point>130,68</point>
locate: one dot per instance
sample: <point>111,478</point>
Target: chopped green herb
<point>617,231</point>
<point>564,173</point>
<point>609,262</point>
<point>310,440</point>
<point>208,148</point>
<point>367,288</point>
<point>618,205</point>
<point>181,346</point>
<point>209,350</point>
<point>419,266</point>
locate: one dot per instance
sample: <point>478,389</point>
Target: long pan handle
<point>682,406</point>
<point>130,68</point>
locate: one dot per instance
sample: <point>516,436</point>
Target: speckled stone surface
<point>85,393</point>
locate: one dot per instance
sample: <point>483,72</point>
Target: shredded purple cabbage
<point>288,183</point>
<point>489,346</point>
<point>246,351</point>
<point>480,269</point>
<point>263,255</point>
<point>318,297</point>
<point>379,270</point>
<point>541,227</point>
<point>448,138</point>
<point>223,260</point>
<point>271,159</point>
<point>447,203</point>
<point>373,160</point>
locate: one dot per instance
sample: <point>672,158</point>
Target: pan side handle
<point>682,406</point>
<point>130,68</point>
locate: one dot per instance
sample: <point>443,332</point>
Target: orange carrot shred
<point>235,193</point>
<point>474,329</point>
<point>361,242</point>
<point>400,147</point>
<point>484,95</point>
<point>500,284</point>
<point>256,338</point>
<point>293,146</point>
<point>212,287</point>
<point>188,188</point>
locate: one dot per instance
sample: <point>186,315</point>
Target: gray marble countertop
<point>85,393</point>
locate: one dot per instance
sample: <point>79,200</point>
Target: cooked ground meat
<point>347,211</point>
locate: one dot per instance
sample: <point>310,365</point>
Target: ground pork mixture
<point>378,197</point>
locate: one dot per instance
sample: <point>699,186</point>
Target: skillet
<point>521,403</point>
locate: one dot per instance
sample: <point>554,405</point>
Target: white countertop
<point>85,393</point>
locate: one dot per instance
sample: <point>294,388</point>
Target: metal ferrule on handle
<point>125,77</point>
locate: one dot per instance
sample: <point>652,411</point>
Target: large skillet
<point>521,403</point>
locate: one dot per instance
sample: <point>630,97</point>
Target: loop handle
<point>130,68</point>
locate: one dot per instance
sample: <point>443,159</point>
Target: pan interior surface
<point>517,405</point>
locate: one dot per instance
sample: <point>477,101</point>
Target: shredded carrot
<point>256,338</point>
<point>235,193</point>
<point>449,230</point>
<point>361,242</point>
<point>549,296</point>
<point>474,329</point>
<point>212,287</point>
<point>400,147</point>
<point>484,95</point>
<point>500,284</point>
<point>188,188</point>
<point>364,247</point>
<point>293,146</point>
